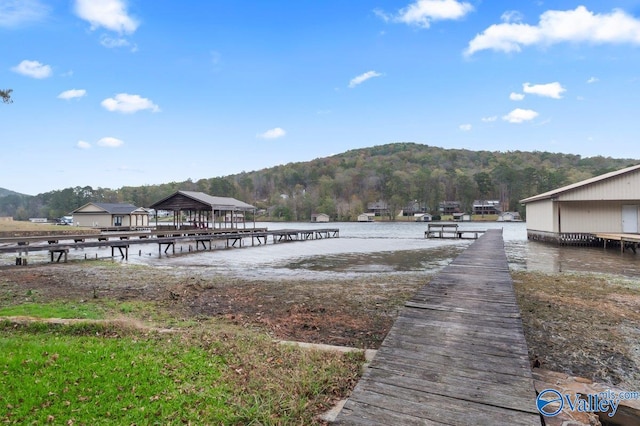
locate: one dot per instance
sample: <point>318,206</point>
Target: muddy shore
<point>585,325</point>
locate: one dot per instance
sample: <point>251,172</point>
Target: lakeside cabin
<point>587,212</point>
<point>422,217</point>
<point>509,217</point>
<point>110,215</point>
<point>366,217</point>
<point>319,218</point>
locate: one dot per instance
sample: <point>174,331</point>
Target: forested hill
<point>5,192</point>
<point>399,173</point>
<point>344,184</point>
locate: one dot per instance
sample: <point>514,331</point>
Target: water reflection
<point>550,258</point>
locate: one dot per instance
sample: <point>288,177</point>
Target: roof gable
<point>180,200</point>
<point>582,184</point>
<point>108,208</point>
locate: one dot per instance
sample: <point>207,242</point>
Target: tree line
<point>343,185</point>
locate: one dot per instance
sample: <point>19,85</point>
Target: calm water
<point>370,248</point>
<point>387,247</point>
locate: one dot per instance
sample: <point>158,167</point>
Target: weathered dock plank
<point>456,353</point>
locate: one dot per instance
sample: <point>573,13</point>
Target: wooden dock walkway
<point>59,245</point>
<point>456,354</point>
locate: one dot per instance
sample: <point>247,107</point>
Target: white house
<point>366,217</point>
<point>607,203</point>
<point>320,217</point>
<point>422,217</point>
<point>461,217</point>
<point>107,215</point>
<point>509,217</point>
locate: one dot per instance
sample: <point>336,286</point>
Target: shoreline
<point>581,324</point>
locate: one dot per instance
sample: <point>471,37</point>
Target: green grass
<point>110,374</point>
<point>63,310</point>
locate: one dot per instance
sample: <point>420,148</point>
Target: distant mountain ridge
<point>402,176</point>
<point>4,192</point>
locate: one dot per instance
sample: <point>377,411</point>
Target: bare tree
<point>6,96</point>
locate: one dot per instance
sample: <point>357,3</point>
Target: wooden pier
<point>451,230</point>
<point>59,246</point>
<point>456,354</point>
<point>625,241</point>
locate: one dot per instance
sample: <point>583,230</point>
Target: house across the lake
<point>422,217</point>
<point>366,217</point>
<point>320,217</point>
<point>575,213</point>
<point>488,207</point>
<point>110,215</point>
<point>509,217</point>
<point>378,208</point>
<point>449,207</point>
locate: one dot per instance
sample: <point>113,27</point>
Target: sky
<point>112,93</point>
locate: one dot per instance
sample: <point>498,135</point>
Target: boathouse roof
<point>556,192</point>
<point>193,200</point>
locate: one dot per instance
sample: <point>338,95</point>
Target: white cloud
<point>382,15</point>
<point>550,90</point>
<point>272,133</point>
<point>511,16</point>
<point>519,115</point>
<point>489,119</point>
<point>112,43</point>
<point>128,104</point>
<point>15,13</point>
<point>593,80</point>
<point>109,14</point>
<point>73,93</point>
<point>557,26</point>
<point>32,69</point>
<point>516,96</point>
<point>110,142</point>
<point>465,127</point>
<point>363,77</point>
<point>423,12</point>
<point>83,145</point>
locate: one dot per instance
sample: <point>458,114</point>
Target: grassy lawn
<point>62,310</point>
<point>213,373</point>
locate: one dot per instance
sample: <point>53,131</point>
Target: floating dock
<point>456,355</point>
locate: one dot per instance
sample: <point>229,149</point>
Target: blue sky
<point>109,93</point>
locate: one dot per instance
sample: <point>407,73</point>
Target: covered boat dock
<point>197,210</point>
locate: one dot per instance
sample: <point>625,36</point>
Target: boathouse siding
<point>608,203</point>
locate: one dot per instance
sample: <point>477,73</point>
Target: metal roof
<point>555,192</point>
<point>216,203</point>
<point>111,208</point>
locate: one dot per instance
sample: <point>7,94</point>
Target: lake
<point>385,247</point>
